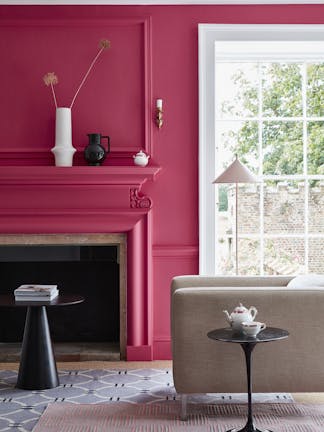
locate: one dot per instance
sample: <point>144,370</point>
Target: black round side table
<point>248,343</point>
<point>37,368</point>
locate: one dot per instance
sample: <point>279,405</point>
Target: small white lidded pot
<point>252,328</point>
<point>141,158</point>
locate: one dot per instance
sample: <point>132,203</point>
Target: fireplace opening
<point>89,270</point>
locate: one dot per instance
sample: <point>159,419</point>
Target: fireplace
<point>46,205</point>
<point>92,265</point>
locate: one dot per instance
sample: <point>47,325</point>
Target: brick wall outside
<point>284,208</point>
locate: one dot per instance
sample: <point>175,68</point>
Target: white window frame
<point>209,34</point>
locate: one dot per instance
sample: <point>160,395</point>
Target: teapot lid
<point>140,153</point>
<point>240,309</point>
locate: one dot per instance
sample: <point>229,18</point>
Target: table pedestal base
<point>248,343</point>
<point>249,428</point>
<point>37,370</point>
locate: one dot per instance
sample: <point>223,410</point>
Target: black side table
<point>37,369</point>
<point>248,343</point>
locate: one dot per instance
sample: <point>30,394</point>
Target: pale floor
<point>298,397</point>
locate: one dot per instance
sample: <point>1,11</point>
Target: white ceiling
<point>154,2</point>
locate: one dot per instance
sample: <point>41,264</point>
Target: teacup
<point>252,328</point>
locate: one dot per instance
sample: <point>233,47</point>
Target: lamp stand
<point>236,173</point>
<point>236,227</point>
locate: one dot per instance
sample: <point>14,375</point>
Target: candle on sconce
<point>159,113</point>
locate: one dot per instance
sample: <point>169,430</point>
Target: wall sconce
<point>159,113</point>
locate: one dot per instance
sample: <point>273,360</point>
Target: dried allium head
<point>50,78</point>
<point>104,43</point>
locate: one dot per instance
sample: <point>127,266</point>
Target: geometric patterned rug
<point>20,409</point>
<point>164,417</point>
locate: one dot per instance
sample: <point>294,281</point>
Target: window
<point>261,97</point>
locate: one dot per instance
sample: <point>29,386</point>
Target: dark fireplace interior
<point>91,271</point>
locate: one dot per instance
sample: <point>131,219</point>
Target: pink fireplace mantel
<point>82,199</point>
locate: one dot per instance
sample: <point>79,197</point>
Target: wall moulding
<point>154,2</point>
<point>175,251</point>
<point>107,94</point>
<point>45,175</point>
<point>43,157</point>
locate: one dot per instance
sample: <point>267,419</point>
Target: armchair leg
<point>184,400</point>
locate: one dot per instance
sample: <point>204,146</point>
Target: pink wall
<point>153,55</point>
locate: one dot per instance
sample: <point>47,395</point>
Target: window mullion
<point>267,118</point>
<point>260,145</point>
<point>305,169</point>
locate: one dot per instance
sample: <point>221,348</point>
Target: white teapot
<point>239,315</point>
<point>141,158</point>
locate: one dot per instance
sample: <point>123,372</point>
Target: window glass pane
<point>284,207</point>
<point>236,90</point>
<point>248,223</point>
<point>225,258</point>
<point>248,208</point>
<point>315,255</point>
<point>315,90</point>
<point>238,124</point>
<point>315,146</point>
<point>316,207</point>
<point>248,253</point>
<point>224,226</point>
<point>282,89</point>
<point>284,256</point>
<point>249,256</point>
<point>282,147</point>
<point>237,137</point>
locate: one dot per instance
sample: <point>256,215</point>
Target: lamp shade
<point>237,173</point>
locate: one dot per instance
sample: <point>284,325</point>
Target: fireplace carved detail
<point>139,200</point>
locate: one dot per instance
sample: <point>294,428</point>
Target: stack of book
<point>33,292</point>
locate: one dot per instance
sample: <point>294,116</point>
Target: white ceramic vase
<point>63,150</point>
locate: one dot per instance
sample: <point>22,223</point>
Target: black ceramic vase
<point>95,153</point>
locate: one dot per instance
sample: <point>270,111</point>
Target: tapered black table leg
<point>37,370</point>
<point>248,343</point>
<point>249,427</point>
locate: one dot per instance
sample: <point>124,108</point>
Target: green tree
<point>223,198</point>
<point>283,138</point>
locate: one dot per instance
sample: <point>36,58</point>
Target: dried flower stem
<point>50,79</point>
<point>54,96</point>
<point>86,75</point>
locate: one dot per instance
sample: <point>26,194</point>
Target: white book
<point>36,290</point>
<point>21,298</point>
<point>33,295</point>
